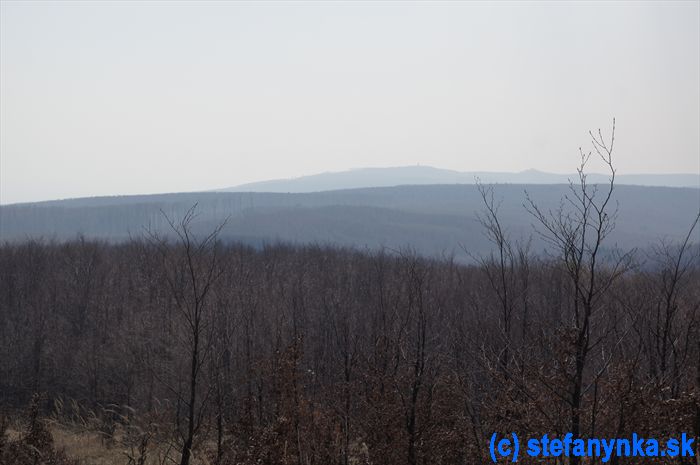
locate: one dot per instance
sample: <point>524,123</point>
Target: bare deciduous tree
<point>191,270</point>
<point>577,231</point>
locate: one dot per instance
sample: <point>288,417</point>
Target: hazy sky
<point>119,98</point>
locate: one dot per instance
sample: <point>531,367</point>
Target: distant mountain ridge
<point>423,175</point>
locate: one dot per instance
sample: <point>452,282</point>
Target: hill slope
<point>433,219</point>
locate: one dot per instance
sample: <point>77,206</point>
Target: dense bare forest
<point>192,350</point>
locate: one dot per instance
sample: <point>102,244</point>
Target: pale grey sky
<point>121,98</point>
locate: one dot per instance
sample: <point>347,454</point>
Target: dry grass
<point>90,448</point>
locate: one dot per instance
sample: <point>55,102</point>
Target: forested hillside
<point>434,220</point>
<point>185,348</point>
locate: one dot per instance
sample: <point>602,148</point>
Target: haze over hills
<point>420,175</point>
<point>431,219</point>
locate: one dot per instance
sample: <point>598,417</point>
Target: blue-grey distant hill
<point>431,219</point>
<point>421,175</point>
